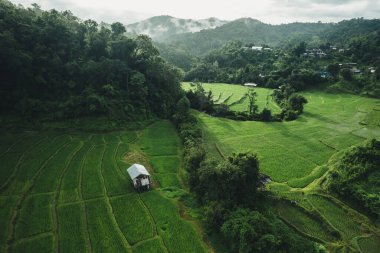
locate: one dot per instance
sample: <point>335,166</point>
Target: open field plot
<point>154,245</point>
<point>178,236</point>
<point>71,228</point>
<point>159,139</point>
<point>40,244</point>
<point>369,244</point>
<point>234,95</point>
<point>304,222</point>
<point>337,216</point>
<point>35,216</point>
<point>6,207</point>
<point>133,218</point>
<point>289,150</point>
<point>34,161</point>
<point>71,193</point>
<point>104,233</point>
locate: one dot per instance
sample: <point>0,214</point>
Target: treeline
<point>55,65</point>
<point>231,195</point>
<point>237,63</point>
<point>357,177</point>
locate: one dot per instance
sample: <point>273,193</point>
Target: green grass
<point>115,182</point>
<point>165,164</point>
<point>337,216</point>
<point>152,246</point>
<point>69,191</point>
<point>97,208</point>
<point>104,236</point>
<point>369,244</point>
<point>6,206</point>
<point>132,217</point>
<point>12,153</point>
<point>33,161</point>
<point>304,222</point>
<point>167,180</point>
<point>234,93</point>
<point>35,216</point>
<point>41,244</point>
<point>291,150</point>
<point>71,230</point>
<point>92,186</point>
<point>159,139</point>
<point>48,179</point>
<point>305,181</point>
<point>179,236</point>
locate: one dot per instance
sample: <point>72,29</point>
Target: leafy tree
<point>346,74</point>
<point>117,29</point>
<point>300,48</point>
<point>252,107</point>
<point>296,102</point>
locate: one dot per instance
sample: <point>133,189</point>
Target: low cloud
<point>269,11</point>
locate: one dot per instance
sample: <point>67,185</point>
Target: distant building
<point>250,84</point>
<point>325,74</point>
<point>140,176</point>
<point>257,48</point>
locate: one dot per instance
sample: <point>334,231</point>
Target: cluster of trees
<point>237,63</point>
<point>229,192</point>
<point>357,176</point>
<point>57,66</point>
<point>292,105</point>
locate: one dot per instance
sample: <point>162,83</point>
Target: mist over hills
<point>199,37</point>
<point>162,27</point>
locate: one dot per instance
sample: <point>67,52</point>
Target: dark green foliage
<point>300,49</point>
<point>250,231</point>
<point>296,103</point>
<point>353,172</point>
<point>234,180</point>
<point>200,99</point>
<point>291,103</point>
<point>346,74</point>
<point>56,66</point>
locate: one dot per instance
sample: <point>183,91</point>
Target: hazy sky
<point>268,11</point>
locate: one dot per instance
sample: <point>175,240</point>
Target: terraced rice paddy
<point>296,154</point>
<point>235,96</point>
<point>71,193</point>
<point>292,150</point>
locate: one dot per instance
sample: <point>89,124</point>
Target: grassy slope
<point>234,93</point>
<point>294,154</point>
<point>71,192</point>
<point>294,149</point>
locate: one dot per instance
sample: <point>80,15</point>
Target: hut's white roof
<point>136,170</point>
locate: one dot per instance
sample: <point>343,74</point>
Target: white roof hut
<point>139,175</point>
<point>250,84</point>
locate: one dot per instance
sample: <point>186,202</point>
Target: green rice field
<point>70,192</point>
<point>296,156</point>
<point>293,150</point>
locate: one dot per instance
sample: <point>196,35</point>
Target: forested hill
<point>162,27</point>
<point>253,31</point>
<point>57,66</point>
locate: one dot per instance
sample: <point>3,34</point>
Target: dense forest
<point>55,65</point>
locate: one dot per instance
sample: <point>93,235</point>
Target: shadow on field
<point>319,117</point>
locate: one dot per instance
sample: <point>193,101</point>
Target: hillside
<point>70,192</point>
<point>163,27</point>
<point>252,31</point>
<point>296,156</point>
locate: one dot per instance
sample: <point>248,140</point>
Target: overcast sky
<point>268,11</point>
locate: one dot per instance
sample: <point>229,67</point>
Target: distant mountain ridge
<point>162,27</point>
